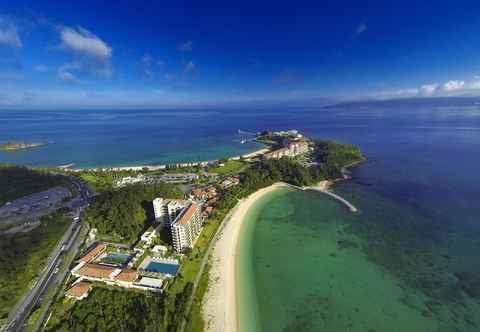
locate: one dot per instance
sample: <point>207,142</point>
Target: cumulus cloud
<point>361,28</point>
<point>451,86</point>
<point>186,47</point>
<point>9,33</point>
<point>428,89</point>
<point>41,68</point>
<point>84,42</point>
<point>448,88</point>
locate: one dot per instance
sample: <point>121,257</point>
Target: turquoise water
<point>308,264</point>
<point>407,262</point>
<point>162,268</point>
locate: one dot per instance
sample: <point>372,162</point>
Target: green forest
<point>331,157</point>
<point>120,215</point>
<point>22,257</point>
<point>17,181</point>
<point>111,310</point>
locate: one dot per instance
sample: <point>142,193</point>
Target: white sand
<point>220,302</point>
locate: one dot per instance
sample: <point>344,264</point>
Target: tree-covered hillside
<point>120,215</point>
<point>111,310</point>
<point>17,181</point>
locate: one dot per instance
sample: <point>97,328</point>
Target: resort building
<point>126,277</point>
<point>166,210</point>
<point>150,283</point>
<point>149,235</point>
<point>95,272</point>
<point>291,149</point>
<point>79,291</point>
<point>93,253</point>
<point>186,227</point>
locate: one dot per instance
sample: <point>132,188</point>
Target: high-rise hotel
<point>182,217</point>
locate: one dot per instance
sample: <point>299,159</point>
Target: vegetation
<point>16,181</point>
<point>14,146</point>
<point>103,180</point>
<point>22,257</point>
<point>230,167</point>
<point>120,215</point>
<point>127,222</point>
<point>108,309</point>
<point>335,156</point>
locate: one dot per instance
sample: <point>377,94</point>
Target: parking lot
<point>34,205</point>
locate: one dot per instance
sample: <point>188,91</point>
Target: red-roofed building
<point>79,291</point>
<point>96,272</point>
<point>186,227</point>
<point>93,253</point>
<point>127,276</point>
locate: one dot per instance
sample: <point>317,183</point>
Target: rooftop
<point>150,282</point>
<point>79,289</point>
<point>187,214</point>
<point>99,247</point>
<point>127,275</point>
<point>96,270</point>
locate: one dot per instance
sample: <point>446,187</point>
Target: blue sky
<point>178,53</point>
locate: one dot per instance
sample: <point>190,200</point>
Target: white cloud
<point>83,42</point>
<point>91,54</point>
<point>67,76</point>
<point>9,34</point>
<point>66,72</point>
<point>41,68</point>
<point>186,47</point>
<point>361,28</point>
<point>428,89</point>
<point>452,86</point>
<point>475,85</point>
<point>189,66</point>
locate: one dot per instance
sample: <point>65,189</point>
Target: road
<point>18,316</point>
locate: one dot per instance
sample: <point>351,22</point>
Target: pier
<point>339,198</point>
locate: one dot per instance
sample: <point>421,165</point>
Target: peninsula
<point>137,224</point>
<point>15,146</point>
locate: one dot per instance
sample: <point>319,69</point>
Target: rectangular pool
<point>159,267</point>
<point>113,258</point>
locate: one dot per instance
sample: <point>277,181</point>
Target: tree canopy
<point>120,215</point>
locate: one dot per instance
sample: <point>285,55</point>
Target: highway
<point>49,275</point>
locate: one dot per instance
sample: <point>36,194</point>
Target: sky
<point>87,54</point>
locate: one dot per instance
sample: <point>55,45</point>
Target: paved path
<point>342,200</point>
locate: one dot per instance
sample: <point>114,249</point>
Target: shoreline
<point>69,167</point>
<point>221,302</point>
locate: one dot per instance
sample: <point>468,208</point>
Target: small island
<point>15,146</point>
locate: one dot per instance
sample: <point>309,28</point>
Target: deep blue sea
<point>419,191</point>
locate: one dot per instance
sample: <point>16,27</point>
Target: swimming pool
<point>159,267</point>
<point>115,258</point>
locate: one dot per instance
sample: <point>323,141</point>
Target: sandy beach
<point>220,302</point>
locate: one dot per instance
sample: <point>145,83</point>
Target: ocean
<point>407,262</point>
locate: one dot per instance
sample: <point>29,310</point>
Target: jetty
<point>339,198</point>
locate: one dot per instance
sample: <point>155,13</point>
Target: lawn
<point>231,167</point>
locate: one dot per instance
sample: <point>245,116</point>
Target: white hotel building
<point>184,219</point>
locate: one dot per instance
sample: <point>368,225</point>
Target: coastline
<point>70,167</point>
<point>220,302</point>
